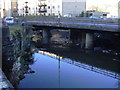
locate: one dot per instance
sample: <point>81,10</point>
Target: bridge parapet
<point>78,23</point>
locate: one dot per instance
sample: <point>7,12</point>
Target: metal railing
<point>82,65</point>
<point>78,23</point>
<point>92,68</point>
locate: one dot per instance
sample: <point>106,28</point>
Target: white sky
<point>100,2</point>
<point>111,5</point>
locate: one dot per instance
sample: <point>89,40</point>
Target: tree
<point>82,14</point>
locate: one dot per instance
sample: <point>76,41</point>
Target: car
<point>67,15</point>
<point>9,20</point>
<point>94,17</point>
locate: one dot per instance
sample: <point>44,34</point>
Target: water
<point>52,71</point>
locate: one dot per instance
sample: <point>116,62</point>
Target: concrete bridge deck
<point>78,23</point>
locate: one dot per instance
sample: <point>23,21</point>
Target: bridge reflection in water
<point>82,65</point>
<point>57,71</point>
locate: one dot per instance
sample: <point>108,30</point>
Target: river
<point>62,69</point>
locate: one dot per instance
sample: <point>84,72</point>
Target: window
<point>104,14</point>
<point>53,7</point>
<point>91,14</point>
<point>48,7</point>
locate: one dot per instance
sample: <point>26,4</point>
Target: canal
<point>70,68</point>
<point>61,65</point>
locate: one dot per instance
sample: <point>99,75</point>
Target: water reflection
<point>59,72</point>
<point>19,70</point>
<point>82,65</point>
<point>96,59</point>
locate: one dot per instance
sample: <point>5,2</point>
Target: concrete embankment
<point>4,82</point>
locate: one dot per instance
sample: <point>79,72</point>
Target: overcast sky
<point>99,2</point>
<point>110,5</point>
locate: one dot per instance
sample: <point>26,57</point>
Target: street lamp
<point>36,10</point>
<point>58,13</point>
<point>22,11</point>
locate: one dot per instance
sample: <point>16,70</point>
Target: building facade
<point>1,9</point>
<point>51,7</point>
<point>5,8</point>
<point>119,10</point>
<point>97,14</point>
<point>27,7</point>
<point>14,7</point>
<point>73,7</point>
<point>110,6</point>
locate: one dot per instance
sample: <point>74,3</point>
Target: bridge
<point>76,23</point>
<point>81,30</point>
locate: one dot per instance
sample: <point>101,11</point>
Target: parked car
<point>94,17</point>
<point>9,20</point>
<point>67,15</point>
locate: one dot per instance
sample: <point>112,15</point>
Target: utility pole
<point>58,13</point>
<point>51,6</point>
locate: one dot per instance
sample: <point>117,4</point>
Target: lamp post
<point>36,10</point>
<point>58,13</point>
<point>22,10</point>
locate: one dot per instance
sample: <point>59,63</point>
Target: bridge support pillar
<point>83,40</point>
<point>89,41</point>
<point>45,36</point>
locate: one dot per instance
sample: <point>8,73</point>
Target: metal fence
<point>83,65</point>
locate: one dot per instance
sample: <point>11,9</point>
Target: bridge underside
<point>85,37</point>
<point>38,27</point>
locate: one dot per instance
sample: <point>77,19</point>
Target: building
<point>119,10</point>
<point>1,9</point>
<point>14,8</point>
<point>54,7</point>
<point>27,7</point>
<point>110,6</point>
<point>5,8</point>
<point>73,7</point>
<point>98,14</point>
<point>51,7</point>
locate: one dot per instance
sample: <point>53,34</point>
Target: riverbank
<point>4,82</point>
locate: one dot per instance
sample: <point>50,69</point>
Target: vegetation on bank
<point>14,28</point>
<point>21,41</point>
<point>84,14</point>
